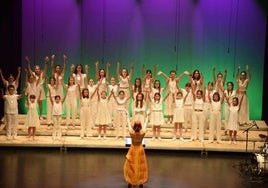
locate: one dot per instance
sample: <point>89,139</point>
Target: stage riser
<point>71,138</point>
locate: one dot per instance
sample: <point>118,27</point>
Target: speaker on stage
<point>128,142</point>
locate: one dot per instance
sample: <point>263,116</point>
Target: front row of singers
<point>145,109</point>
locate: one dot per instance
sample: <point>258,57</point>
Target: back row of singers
<point>36,80</point>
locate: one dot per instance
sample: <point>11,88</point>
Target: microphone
<point>255,124</point>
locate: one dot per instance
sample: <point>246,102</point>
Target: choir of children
<point>106,103</point>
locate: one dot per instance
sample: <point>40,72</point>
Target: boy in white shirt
<point>11,111</point>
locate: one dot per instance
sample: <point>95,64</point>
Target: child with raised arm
<point>207,104</point>
<point>242,85</point>
<point>52,86</point>
<point>72,94</point>
<point>124,78</point>
<point>178,118</point>
<point>86,118</point>
<point>139,108</point>
<point>33,88</point>
<point>102,77</point>
<point>188,106</point>
<point>40,76</point>
<point>156,114</point>
<point>11,111</point>
<point>136,90</point>
<point>58,72</point>
<point>57,111</point>
<point>10,80</point>
<point>32,117</point>
<point>148,78</point>
<point>219,81</point>
<point>172,83</point>
<point>94,102</point>
<point>215,117</point>
<point>121,116</point>
<point>112,103</point>
<point>198,115</point>
<point>77,72</point>
<point>197,80</point>
<point>137,87</point>
<point>229,93</point>
<point>233,124</point>
<point>156,88</point>
<point>80,79</point>
<point>103,118</point>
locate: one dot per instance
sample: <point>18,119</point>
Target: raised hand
<point>27,59</point>
<point>86,67</point>
<point>186,72</point>
<point>159,72</point>
<point>46,59</point>
<point>64,57</point>
<point>52,57</point>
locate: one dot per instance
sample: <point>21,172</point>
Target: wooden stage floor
<point>71,139</point>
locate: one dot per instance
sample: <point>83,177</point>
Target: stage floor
<point>71,139</point>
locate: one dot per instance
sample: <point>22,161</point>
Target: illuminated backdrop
<point>174,34</point>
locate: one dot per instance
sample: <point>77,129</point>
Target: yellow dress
<point>135,167</point>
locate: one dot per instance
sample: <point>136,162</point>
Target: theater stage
<point>71,139</point>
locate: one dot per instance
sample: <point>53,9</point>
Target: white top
<point>58,82</point>
<point>215,106</point>
<point>6,84</point>
<point>85,102</point>
<point>218,85</point>
<point>114,88</point>
<point>42,79</point>
<point>242,86</point>
<point>57,109</point>
<point>209,93</point>
<point>72,92</point>
<point>57,77</point>
<point>139,108</point>
<point>121,104</point>
<point>147,84</point>
<point>103,85</point>
<point>172,86</point>
<point>33,89</point>
<point>198,104</point>
<point>11,102</point>
<point>179,103</point>
<point>53,91</point>
<point>124,82</point>
<point>156,105</point>
<point>156,90</point>
<point>197,83</point>
<point>230,95</point>
<point>80,79</point>
<point>189,99</point>
<point>91,90</point>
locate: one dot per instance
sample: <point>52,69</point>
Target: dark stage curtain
<point>10,33</point>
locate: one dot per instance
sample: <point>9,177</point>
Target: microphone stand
<point>247,130</point>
